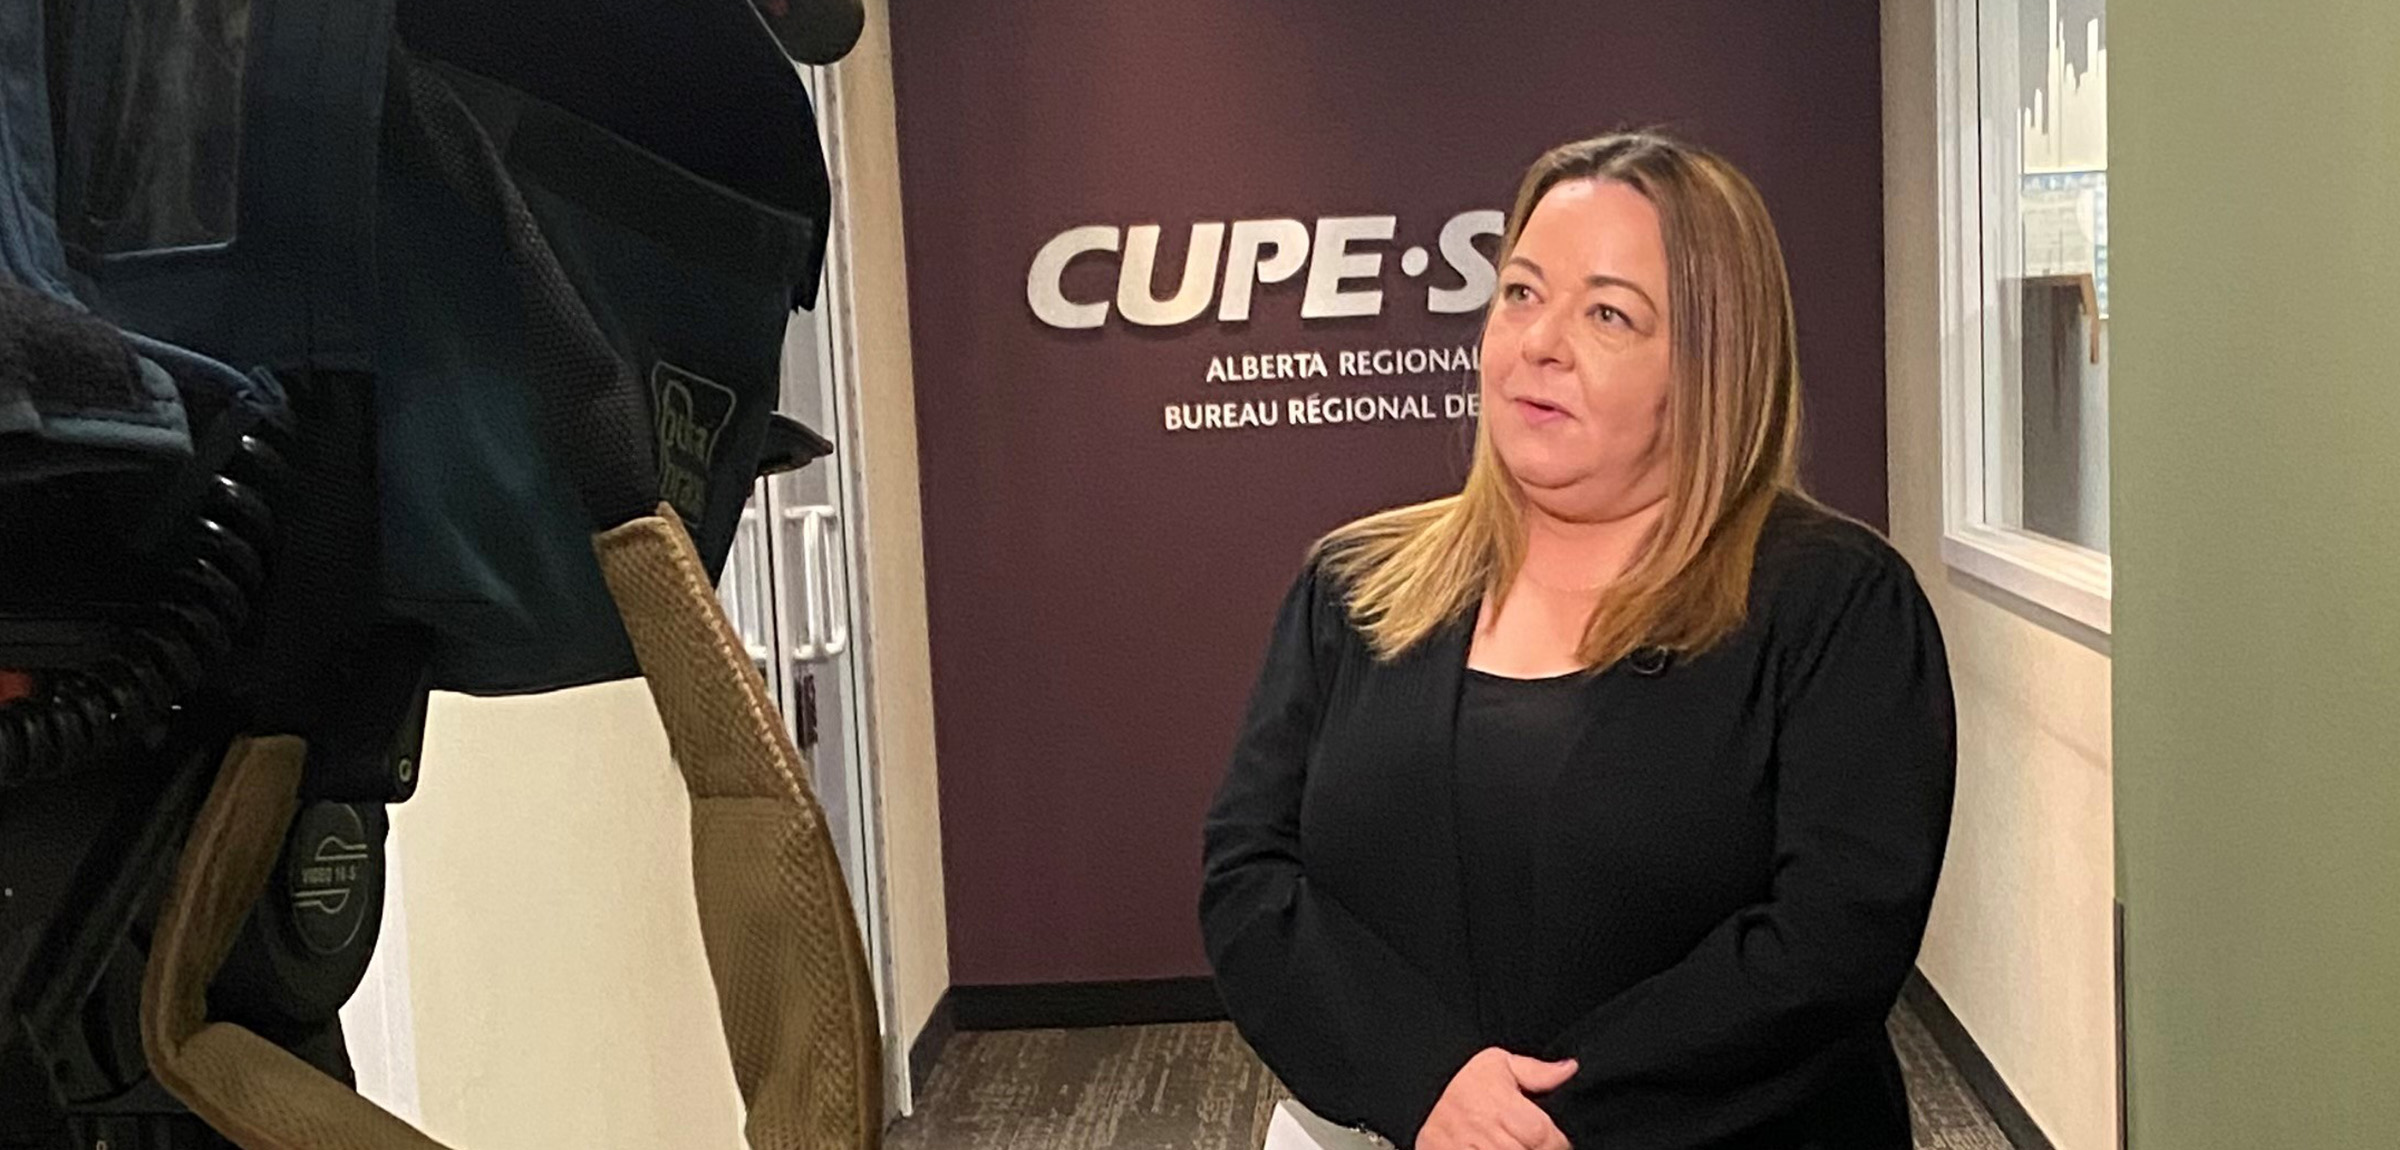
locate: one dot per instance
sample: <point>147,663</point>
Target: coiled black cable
<point>217,569</point>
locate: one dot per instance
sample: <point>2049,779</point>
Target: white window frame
<point>2072,581</point>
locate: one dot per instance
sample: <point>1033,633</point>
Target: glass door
<point>790,589</point>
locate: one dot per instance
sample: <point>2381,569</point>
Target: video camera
<point>352,350</point>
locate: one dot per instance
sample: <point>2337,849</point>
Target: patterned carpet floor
<point>1198,1087</point>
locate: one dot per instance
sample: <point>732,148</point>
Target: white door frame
<point>838,358</point>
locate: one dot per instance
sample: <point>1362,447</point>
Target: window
<point>2024,124</point>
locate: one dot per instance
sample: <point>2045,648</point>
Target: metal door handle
<point>807,649</point>
<point>746,591</point>
<point>837,606</point>
<point>827,627</point>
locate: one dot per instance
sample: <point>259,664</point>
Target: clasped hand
<point>1489,1106</point>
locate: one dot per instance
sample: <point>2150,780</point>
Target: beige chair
<point>798,1006</point>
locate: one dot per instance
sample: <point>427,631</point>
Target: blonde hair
<point>1732,431</point>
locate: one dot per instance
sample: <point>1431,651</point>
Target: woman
<point>1599,805</point>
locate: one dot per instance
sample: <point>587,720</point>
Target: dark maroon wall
<point>1101,587</point>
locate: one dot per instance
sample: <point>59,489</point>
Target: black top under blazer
<point>1732,868</point>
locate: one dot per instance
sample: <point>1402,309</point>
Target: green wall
<point>2255,220</point>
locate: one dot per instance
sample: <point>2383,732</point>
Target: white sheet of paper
<point>1295,1127</point>
<point>2060,231</point>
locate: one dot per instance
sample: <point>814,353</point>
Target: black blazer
<point>1737,857</point>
